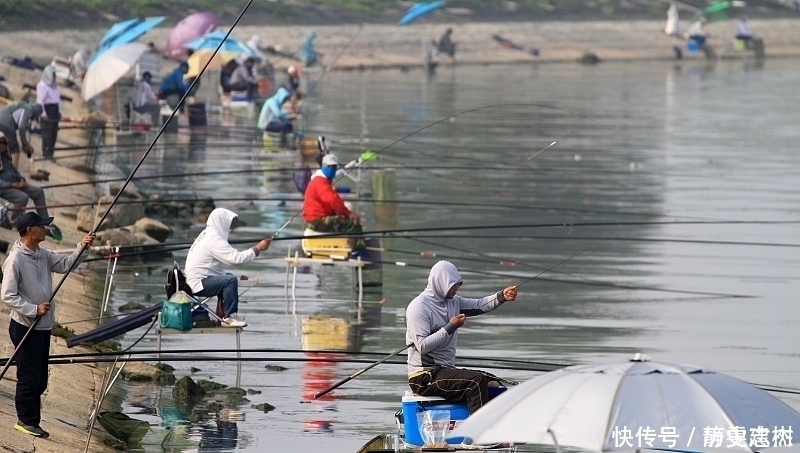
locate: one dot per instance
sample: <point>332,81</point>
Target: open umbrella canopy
<point>215,61</point>
<point>110,67</point>
<point>190,28</point>
<point>721,10</point>
<point>633,405</point>
<point>419,10</point>
<point>211,41</point>
<point>124,32</point>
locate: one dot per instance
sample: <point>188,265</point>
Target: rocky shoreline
<point>73,389</point>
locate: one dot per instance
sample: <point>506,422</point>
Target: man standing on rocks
<point>27,289</point>
<point>205,263</point>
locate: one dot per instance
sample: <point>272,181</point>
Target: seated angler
<point>323,208</point>
<point>432,322</point>
<point>274,116</point>
<point>206,260</point>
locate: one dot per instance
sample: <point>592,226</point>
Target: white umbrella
<point>110,67</point>
<point>636,405</point>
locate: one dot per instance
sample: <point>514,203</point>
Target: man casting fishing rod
<point>432,322</point>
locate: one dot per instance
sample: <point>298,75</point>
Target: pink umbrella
<point>191,27</point>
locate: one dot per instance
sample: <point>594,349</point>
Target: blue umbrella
<point>211,40</point>
<point>419,10</point>
<point>124,32</point>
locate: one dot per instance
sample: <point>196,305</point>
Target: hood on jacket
<point>281,95</point>
<point>36,111</point>
<point>49,75</point>
<point>442,277</point>
<point>220,221</point>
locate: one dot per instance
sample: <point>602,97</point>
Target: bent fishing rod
<point>124,186</point>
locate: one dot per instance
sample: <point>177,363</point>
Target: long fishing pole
<point>124,185</point>
<point>287,351</point>
<point>448,118</point>
<point>339,54</point>
<point>362,371</point>
<point>548,269</point>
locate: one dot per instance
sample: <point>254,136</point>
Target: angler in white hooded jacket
<point>206,260</point>
<point>432,322</point>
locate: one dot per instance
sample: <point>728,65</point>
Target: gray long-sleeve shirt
<point>27,281</point>
<point>428,316</point>
<point>17,117</point>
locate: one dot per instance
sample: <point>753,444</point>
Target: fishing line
<point>476,109</point>
<point>549,269</point>
<point>124,185</point>
<point>328,68</point>
<point>548,146</point>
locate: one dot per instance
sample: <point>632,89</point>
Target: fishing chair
<point>176,281</point>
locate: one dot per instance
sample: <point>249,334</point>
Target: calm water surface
<point>654,166</point>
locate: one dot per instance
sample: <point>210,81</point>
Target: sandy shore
<point>72,389</point>
<point>383,45</point>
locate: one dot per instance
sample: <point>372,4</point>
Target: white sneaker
<point>233,321</point>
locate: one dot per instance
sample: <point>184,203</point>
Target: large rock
<point>153,228</point>
<point>130,192</point>
<point>84,220</point>
<point>120,215</point>
<point>187,393</point>
<point>123,236</point>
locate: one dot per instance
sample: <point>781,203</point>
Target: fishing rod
<point>119,194</point>
<point>548,269</point>
<point>407,232</point>
<point>288,351</point>
<point>362,371</point>
<point>339,54</point>
<point>448,118</point>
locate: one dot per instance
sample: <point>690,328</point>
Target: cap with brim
<point>330,160</point>
<point>30,219</point>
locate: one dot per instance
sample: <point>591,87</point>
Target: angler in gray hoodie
<point>432,322</point>
<point>27,289</point>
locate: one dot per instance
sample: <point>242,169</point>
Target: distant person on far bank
<point>205,263</point>
<point>743,33</point>
<point>697,33</point>
<point>446,45</point>
<point>27,289</point>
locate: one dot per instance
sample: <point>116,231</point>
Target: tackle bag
<point>176,314</point>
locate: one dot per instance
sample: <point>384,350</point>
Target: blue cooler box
<point>412,405</point>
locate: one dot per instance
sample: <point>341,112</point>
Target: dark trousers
<point>453,384</point>
<point>225,286</point>
<point>31,372</point>
<point>50,129</point>
<point>251,89</point>
<point>20,197</point>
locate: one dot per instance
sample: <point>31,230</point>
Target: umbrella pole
<point>555,442</point>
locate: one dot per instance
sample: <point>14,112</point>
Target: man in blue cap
<point>27,289</point>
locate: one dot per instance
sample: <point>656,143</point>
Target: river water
<point>678,182</point>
